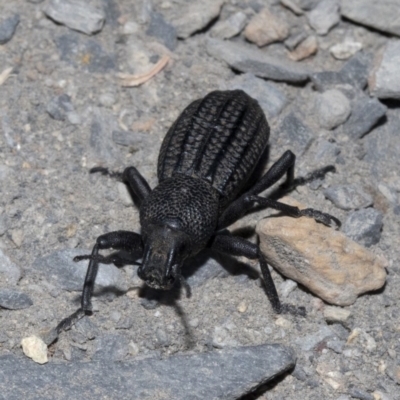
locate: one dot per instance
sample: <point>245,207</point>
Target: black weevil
<point>204,165</point>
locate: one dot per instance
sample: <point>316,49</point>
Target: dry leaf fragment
<point>128,80</point>
<point>5,74</point>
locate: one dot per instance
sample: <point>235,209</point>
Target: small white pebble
<point>242,307</point>
<point>34,347</point>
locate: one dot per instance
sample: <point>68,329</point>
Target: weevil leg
<point>139,187</point>
<point>118,240</point>
<point>285,165</point>
<point>236,246</point>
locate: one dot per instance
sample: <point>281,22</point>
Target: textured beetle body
<point>219,139</point>
<point>204,167</point>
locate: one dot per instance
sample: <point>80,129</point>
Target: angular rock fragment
<point>162,30</point>
<point>59,107</point>
<point>80,15</point>
<point>384,80</point>
<point>383,15</point>
<point>196,15</point>
<point>226,375</point>
<point>295,134</point>
<point>14,299</point>
<point>324,260</point>
<point>365,114</point>
<point>333,108</point>
<point>364,226</point>
<point>60,269</point>
<point>34,347</point>
<point>10,273</point>
<point>324,16</point>
<point>8,27</point>
<point>354,72</point>
<point>257,62</point>
<point>229,27</point>
<point>265,28</point>
<point>272,100</point>
<point>291,5</point>
<point>348,197</point>
<point>305,49</point>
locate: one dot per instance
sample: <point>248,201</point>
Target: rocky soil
<point>326,74</point>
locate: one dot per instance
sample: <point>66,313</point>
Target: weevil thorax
<point>177,220</point>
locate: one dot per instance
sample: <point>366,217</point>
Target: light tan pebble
<point>305,49</point>
<point>34,347</point>
<point>283,322</point>
<point>133,349</point>
<point>345,50</point>
<point>324,260</point>
<point>242,307</point>
<point>336,314</point>
<point>358,336</point>
<point>265,28</point>
<point>17,236</point>
<point>382,366</point>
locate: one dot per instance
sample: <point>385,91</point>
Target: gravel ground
<point>63,110</point>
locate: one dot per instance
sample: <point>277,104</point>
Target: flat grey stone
<point>272,100</point>
<point>309,342</point>
<point>384,80</point>
<point>194,16</point>
<point>111,347</point>
<point>364,226</point>
<point>383,15</point>
<point>324,16</point>
<point>98,60</point>
<point>10,273</point>
<point>8,27</point>
<point>365,114</point>
<point>61,270</point>
<point>80,15</point>
<point>354,72</point>
<point>59,106</point>
<point>229,27</point>
<point>225,375</point>
<point>162,30</point>
<point>295,135</point>
<point>249,59</point>
<point>348,197</point>
<point>14,299</point>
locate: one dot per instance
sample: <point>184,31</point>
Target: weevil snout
<point>163,257</point>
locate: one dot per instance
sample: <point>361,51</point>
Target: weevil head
<point>165,250</point>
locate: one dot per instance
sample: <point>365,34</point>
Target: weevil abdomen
<point>219,138</point>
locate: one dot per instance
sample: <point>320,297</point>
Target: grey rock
<point>136,140</point>
<point>194,16</point>
<point>295,134</point>
<point>348,197</point>
<point>324,16</point>
<point>162,339</point>
<point>83,16</point>
<point>10,273</point>
<point>229,27</point>
<point>124,323</point>
<point>309,342</point>
<point>59,107</point>
<point>98,60</point>
<point>111,347</point>
<point>59,269</point>
<point>14,299</point>
<point>360,394</point>
<point>162,30</point>
<point>323,152</point>
<point>336,345</point>
<point>249,59</point>
<point>210,375</point>
<point>272,100</point>
<point>354,72</point>
<point>384,80</point>
<point>364,226</point>
<point>87,328</point>
<point>35,1</point>
<point>383,15</point>
<point>8,27</point>
<point>307,5</point>
<point>333,108</point>
<point>293,40</point>
<point>365,114</point>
